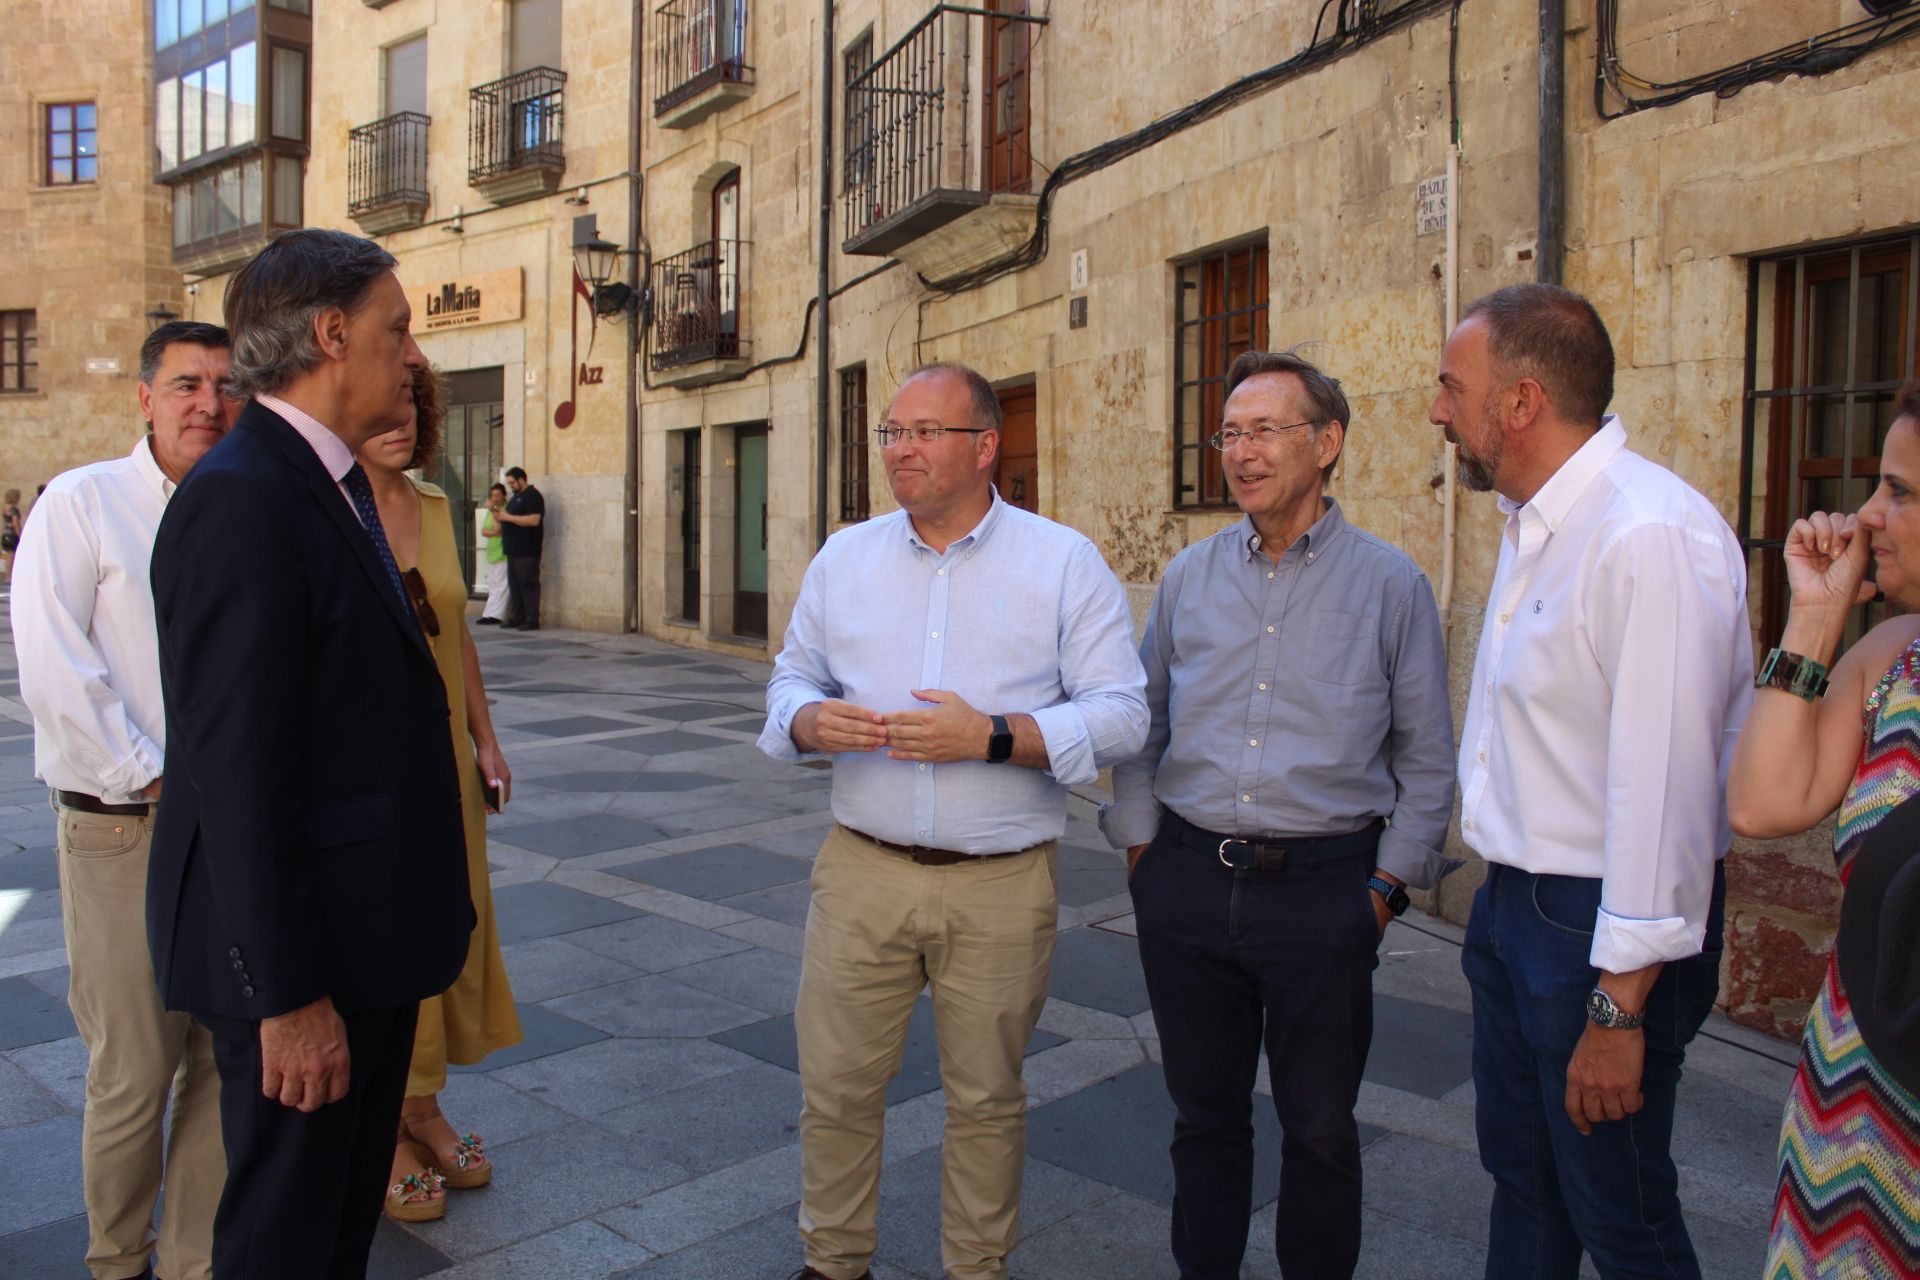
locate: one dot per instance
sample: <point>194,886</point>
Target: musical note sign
<point>563,416</point>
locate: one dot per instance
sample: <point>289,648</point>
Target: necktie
<point>360,489</point>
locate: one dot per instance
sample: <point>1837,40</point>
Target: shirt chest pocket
<point>1340,647</point>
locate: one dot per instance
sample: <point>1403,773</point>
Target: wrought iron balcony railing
<point>387,164</point>
<point>920,148</point>
<point>701,43</point>
<point>696,302</point>
<point>515,124</point>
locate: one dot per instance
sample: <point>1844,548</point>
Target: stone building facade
<point>1739,244</point>
<point>83,229</point>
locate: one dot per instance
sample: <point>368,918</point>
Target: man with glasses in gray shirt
<point>1297,775</point>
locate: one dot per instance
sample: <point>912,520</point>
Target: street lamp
<point>596,260</point>
<point>160,315</point>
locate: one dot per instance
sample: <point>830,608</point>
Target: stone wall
<point>91,259</point>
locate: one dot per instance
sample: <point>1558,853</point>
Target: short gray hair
<point>1325,400</point>
<point>1554,336</point>
<point>272,301</point>
<point>987,412</point>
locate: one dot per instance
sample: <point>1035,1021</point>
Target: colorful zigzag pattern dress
<point>1848,1204</point>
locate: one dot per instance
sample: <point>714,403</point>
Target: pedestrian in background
<point>1819,740</point>
<point>495,611</point>
<point>11,522</point>
<point>1298,774</point>
<point>1614,672</point>
<point>476,1015</point>
<point>524,535</point>
<point>963,662</point>
<point>89,659</point>
<point>309,876</point>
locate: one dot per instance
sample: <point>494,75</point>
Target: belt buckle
<point>1252,855</point>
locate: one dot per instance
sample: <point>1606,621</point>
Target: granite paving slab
<point>24,1100</point>
<point>610,1074</point>
<point>28,1014</point>
<point>719,1122</point>
<point>666,742</point>
<point>43,1177</point>
<point>544,1033</point>
<point>655,1007</point>
<point>762,979</point>
<point>540,910</point>
<point>786,903</point>
<point>773,1041</point>
<point>54,1251</point>
<point>16,746</point>
<point>672,709</point>
<point>543,968</point>
<point>1123,1237</point>
<point>578,1251</point>
<point>1420,1048</point>
<point>58,1066</point>
<point>33,869</point>
<point>583,834</point>
<point>722,871</point>
<point>765,1247</point>
<point>654,944</point>
<point>665,660</point>
<point>574,726</point>
<point>1099,969</point>
<point>398,1255</point>
<point>909,1219</point>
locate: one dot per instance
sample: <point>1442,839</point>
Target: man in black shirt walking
<point>521,533</point>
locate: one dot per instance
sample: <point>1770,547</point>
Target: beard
<point>1476,471</point>
<point>1476,474</point>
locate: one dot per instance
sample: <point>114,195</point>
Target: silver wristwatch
<point>1605,1013</point>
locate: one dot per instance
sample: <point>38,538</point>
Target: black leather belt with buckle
<point>85,803</point>
<point>1274,853</point>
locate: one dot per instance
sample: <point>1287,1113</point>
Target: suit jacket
<point>309,841</point>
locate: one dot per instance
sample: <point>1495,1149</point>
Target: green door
<point>750,532</point>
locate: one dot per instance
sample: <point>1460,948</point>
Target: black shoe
<point>808,1273</point>
<point>487,622</point>
<point>528,626</point>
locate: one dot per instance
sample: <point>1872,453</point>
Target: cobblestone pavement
<point>651,883</point>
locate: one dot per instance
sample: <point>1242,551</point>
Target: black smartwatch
<point>1000,741</point>
<point>1395,894</point>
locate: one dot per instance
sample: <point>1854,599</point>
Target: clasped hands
<point>945,731</point>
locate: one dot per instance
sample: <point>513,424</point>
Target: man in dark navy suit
<point>308,883</point>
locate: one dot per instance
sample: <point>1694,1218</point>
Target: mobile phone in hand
<point>490,792</point>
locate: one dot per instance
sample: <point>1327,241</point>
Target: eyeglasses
<point>922,432</point>
<point>422,607</point>
<point>1264,434</point>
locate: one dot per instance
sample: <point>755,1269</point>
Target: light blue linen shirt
<point>1020,615</point>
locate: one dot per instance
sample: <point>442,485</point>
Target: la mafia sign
<point>488,298</point>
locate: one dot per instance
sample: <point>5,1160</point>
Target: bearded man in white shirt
<point>1613,676</point>
<point>90,672</point>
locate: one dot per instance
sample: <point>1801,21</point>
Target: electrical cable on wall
<point>1816,55</point>
<point>1358,22</point>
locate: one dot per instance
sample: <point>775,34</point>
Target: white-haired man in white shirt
<point>1613,676</point>
<point>90,672</point>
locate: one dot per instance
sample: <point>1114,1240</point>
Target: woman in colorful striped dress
<point>1848,1200</point>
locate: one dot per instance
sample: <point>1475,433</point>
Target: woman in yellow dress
<point>476,1015</point>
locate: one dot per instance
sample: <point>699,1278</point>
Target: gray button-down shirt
<point>1302,698</point>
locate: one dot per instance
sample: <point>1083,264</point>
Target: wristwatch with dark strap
<point>1395,894</point>
<point>999,741</point>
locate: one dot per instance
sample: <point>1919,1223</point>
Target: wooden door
<point>1016,473</point>
<point>1008,122</point>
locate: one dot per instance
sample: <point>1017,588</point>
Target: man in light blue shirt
<point>964,662</point>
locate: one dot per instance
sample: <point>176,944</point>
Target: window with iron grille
<point>73,144</point>
<point>856,120</point>
<point>1220,311</point>
<point>19,351</point>
<point>855,497</point>
<point>1830,337</point>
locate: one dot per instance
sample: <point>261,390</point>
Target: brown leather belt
<point>927,857</point>
<point>94,804</point>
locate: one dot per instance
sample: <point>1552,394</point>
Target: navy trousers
<point>1614,1193</point>
<point>1235,959</point>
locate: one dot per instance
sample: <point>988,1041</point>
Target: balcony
<point>700,58</point>
<point>936,143</point>
<point>696,300</point>
<point>514,149</point>
<point>387,173</point>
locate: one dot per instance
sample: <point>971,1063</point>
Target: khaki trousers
<point>137,1055</point>
<point>879,929</point>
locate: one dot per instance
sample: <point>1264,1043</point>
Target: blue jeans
<point>1614,1193</point>
<point>1234,959</point>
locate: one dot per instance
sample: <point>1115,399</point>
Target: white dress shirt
<point>1614,674</point>
<point>83,628</point>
